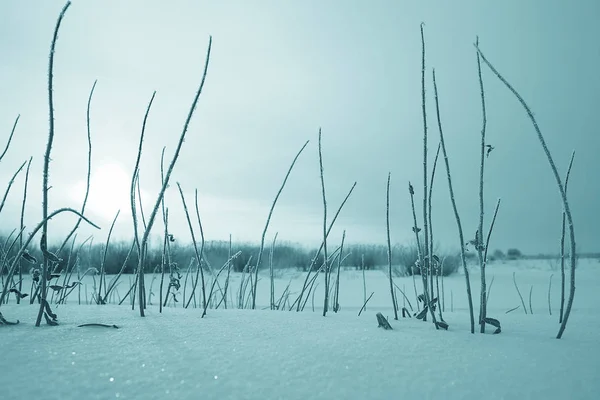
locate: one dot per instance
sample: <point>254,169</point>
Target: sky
<point>278,72</point>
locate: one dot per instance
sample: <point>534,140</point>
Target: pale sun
<point>109,191</point>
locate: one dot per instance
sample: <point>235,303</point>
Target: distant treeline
<point>216,253</point>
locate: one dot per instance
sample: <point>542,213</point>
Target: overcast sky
<point>280,70</point>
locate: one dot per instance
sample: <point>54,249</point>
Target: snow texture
<point>261,354</point>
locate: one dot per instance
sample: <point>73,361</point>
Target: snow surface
<point>261,354</point>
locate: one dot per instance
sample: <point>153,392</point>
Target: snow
<point>263,354</point>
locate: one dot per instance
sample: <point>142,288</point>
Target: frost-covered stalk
<point>389,246</point>
<point>433,260</point>
<point>362,264</point>
<point>99,297</point>
<point>479,236</point>
<point>113,282</point>
<point>325,260</point>
<point>305,285</point>
<point>12,133</point>
<point>199,254</point>
<point>561,188</point>
<point>134,179</point>
<point>484,258</point>
<point>44,241</point>
<point>10,184</point>
<point>271,270</point>
<point>420,257</point>
<point>20,237</point>
<point>519,292</point>
<point>89,168</point>
<point>530,293</point>
<point>16,258</point>
<point>453,200</point>
<point>228,276</point>
<point>549,298</point>
<point>264,233</point>
<point>425,258</point>
<point>336,299</point>
<point>164,260</point>
<point>22,225</point>
<point>165,184</point>
<point>562,247</point>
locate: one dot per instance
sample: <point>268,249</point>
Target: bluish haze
<point>278,72</point>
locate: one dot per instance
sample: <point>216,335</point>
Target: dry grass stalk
<point>519,292</point>
<point>424,255</point>
<point>562,247</point>
<point>484,298</point>
<point>46,174</point>
<point>454,207</point>
<point>199,254</point>
<point>364,306</point>
<point>272,272</point>
<point>433,262</point>
<point>157,203</point>
<point>336,298</point>
<point>549,297</point>
<point>530,293</point>
<point>99,298</point>
<point>10,137</point>
<point>316,257</point>
<point>114,281</point>
<point>264,233</point>
<point>134,179</point>
<point>362,266</point>
<point>22,224</point>
<point>89,168</point>
<point>15,261</point>
<point>479,236</point>
<point>389,246</point>
<point>9,186</point>
<point>325,255</point>
<point>561,188</point>
<point>428,305</point>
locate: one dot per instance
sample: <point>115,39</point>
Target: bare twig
<point>89,169</point>
<point>316,257</point>
<point>199,271</point>
<point>264,233</point>
<point>135,177</point>
<point>336,300</point>
<point>325,260</point>
<point>479,238</point>
<point>99,297</point>
<point>389,247</point>
<point>530,292</point>
<point>30,237</point>
<point>454,207</point>
<point>12,132</point>
<point>432,261</point>
<point>519,292</point>
<point>550,291</point>
<point>167,178</point>
<point>425,256</point>
<point>561,188</point>
<point>9,186</point>
<point>272,272</point>
<point>47,164</point>
<point>483,266</point>
<point>22,225</point>
<point>365,303</point>
<point>562,247</point>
